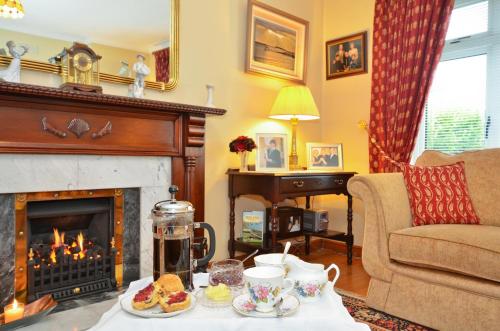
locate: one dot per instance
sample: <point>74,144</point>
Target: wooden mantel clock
<point>80,69</point>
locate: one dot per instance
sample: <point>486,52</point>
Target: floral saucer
<point>243,305</point>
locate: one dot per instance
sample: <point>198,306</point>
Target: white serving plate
<point>154,312</point>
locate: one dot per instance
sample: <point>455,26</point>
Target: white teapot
<point>309,278</point>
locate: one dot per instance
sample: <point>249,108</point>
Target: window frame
<point>478,44</point>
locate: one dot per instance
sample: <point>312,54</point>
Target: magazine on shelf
<point>253,226</point>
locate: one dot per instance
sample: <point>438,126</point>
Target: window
<point>468,20</point>
<point>454,116</point>
<point>463,107</point>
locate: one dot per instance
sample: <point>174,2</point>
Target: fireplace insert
<point>71,247</point>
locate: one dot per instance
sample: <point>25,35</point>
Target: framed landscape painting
<point>276,43</point>
<point>346,56</point>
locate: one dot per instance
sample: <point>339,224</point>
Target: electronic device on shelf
<point>315,220</point>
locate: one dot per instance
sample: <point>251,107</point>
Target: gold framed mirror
<point>37,60</point>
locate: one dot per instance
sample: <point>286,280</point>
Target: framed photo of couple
<point>327,157</point>
<point>272,152</point>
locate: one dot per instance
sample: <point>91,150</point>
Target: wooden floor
<point>353,278</point>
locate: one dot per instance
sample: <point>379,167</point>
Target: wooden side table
<point>276,187</point>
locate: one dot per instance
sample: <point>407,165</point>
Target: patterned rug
<point>376,320</point>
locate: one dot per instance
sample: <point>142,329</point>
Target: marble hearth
<point>40,173</point>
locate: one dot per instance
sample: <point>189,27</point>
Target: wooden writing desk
<point>276,187</point>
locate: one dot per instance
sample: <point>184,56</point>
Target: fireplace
<point>168,147</point>
<point>71,247</point>
<point>69,243</point>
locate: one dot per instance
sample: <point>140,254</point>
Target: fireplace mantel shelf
<point>54,94</point>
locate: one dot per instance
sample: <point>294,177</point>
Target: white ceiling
<point>130,24</point>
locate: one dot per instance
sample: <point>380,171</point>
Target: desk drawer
<point>311,183</point>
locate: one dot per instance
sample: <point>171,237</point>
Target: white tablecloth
<point>326,314</point>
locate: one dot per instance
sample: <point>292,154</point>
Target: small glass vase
<point>243,161</point>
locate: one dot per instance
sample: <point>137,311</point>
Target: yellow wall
<point>43,48</point>
<point>345,101</point>
<point>213,45</point>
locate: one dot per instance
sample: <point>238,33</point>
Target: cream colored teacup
<point>266,286</point>
<point>273,260</point>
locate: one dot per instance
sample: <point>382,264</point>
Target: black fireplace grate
<point>70,278</point>
<point>72,292</point>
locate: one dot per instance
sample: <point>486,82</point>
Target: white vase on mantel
<point>210,96</point>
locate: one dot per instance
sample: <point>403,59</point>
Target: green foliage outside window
<point>454,131</point>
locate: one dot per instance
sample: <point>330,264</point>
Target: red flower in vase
<point>242,144</point>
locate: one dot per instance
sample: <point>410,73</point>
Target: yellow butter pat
<point>220,292</point>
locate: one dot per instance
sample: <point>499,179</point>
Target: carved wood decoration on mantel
<point>44,120</point>
<point>48,127</point>
<point>79,127</point>
<point>104,131</point>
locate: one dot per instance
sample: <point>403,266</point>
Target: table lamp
<point>294,103</point>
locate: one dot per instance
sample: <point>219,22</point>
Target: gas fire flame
<point>59,241</point>
<point>79,238</point>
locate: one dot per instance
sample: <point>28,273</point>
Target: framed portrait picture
<point>272,149</point>
<point>346,56</point>
<point>327,157</point>
<point>276,43</point>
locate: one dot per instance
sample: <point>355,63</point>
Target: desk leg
<point>231,227</point>
<point>308,244</point>
<point>350,237</point>
<point>274,225</point>
<point>308,202</point>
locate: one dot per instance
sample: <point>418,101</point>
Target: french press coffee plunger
<point>173,234</point>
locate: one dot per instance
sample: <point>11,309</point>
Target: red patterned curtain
<point>408,38</point>
<point>162,60</point>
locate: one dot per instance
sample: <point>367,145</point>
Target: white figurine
<point>124,70</point>
<point>13,72</point>
<point>130,92</point>
<point>141,70</point>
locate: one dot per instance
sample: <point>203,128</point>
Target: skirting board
<point>337,246</point>
<point>318,243</point>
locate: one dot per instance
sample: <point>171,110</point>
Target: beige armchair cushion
<point>472,250</point>
<point>482,169</point>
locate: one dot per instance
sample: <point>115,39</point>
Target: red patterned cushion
<point>439,195</point>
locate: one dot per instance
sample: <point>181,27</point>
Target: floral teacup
<point>266,286</point>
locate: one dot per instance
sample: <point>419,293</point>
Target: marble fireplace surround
<point>21,173</point>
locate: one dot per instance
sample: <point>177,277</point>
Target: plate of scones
<point>164,298</point>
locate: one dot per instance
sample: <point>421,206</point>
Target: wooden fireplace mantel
<point>37,119</point>
<point>44,120</point>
